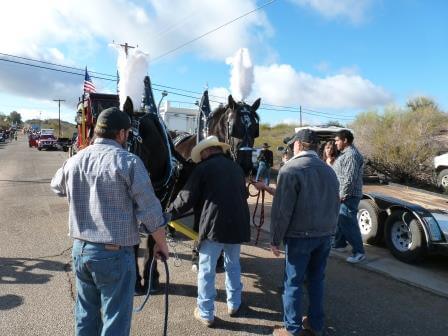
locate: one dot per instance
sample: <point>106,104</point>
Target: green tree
<point>4,121</point>
<point>401,142</point>
<point>333,123</point>
<point>15,118</point>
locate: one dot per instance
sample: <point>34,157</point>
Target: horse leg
<point>149,255</point>
<point>138,281</point>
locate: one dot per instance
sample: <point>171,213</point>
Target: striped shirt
<point>109,194</point>
<point>349,170</point>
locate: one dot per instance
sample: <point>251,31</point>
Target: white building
<point>178,118</point>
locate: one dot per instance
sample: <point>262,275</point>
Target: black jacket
<point>216,190</point>
<point>267,156</point>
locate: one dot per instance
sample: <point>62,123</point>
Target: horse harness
<point>135,140</point>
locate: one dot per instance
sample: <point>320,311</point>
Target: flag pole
<point>83,116</point>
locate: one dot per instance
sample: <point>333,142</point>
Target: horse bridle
<point>245,116</point>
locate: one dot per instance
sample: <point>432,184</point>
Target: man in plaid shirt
<point>349,170</point>
<point>109,194</point>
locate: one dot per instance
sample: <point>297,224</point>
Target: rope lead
<point>148,293</point>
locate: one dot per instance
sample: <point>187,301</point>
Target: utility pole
<point>300,111</point>
<point>59,104</point>
<point>125,46</point>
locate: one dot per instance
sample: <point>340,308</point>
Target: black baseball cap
<point>303,135</point>
<point>112,119</point>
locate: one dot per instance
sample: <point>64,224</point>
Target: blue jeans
<point>209,252</point>
<point>348,228</point>
<point>105,283</point>
<point>305,257</point>
<point>264,172</point>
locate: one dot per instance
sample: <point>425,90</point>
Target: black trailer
<point>409,227</point>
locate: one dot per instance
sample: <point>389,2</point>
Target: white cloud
<point>281,84</point>
<point>156,26</point>
<point>354,10</point>
<point>72,32</point>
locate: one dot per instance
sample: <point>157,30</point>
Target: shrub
<point>401,142</point>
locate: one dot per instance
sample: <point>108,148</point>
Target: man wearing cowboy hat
<point>265,162</point>
<point>216,190</point>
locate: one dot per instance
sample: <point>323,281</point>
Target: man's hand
<point>259,185</point>
<point>161,251</point>
<point>275,250</point>
<point>160,248</point>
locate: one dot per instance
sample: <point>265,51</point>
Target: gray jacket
<point>306,201</point>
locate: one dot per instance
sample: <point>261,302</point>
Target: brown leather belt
<point>112,247</point>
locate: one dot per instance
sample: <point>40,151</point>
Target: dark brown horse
<point>149,139</point>
<point>236,124</point>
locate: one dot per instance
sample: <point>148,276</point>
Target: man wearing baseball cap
<point>109,194</point>
<point>303,217</point>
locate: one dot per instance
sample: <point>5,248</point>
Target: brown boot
<point>306,325</point>
<point>279,331</point>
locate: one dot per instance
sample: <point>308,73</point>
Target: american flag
<point>88,84</point>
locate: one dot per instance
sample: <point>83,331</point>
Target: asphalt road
<point>36,284</point>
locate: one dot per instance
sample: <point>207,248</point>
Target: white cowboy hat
<point>210,141</point>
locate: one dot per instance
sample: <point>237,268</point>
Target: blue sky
<point>338,58</point>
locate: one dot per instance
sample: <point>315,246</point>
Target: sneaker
<point>233,311</point>
<point>207,323</point>
<point>356,258</point>
<point>194,268</point>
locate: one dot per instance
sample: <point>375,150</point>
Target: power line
<point>213,30</point>
<point>55,64</point>
<point>264,106</point>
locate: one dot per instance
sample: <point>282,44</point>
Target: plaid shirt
<point>349,169</point>
<point>109,193</point>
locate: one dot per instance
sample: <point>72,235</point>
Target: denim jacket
<point>306,201</point>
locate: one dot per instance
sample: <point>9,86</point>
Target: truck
<point>412,223</point>
<point>46,139</point>
<point>441,170</point>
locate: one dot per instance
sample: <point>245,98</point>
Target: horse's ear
<point>256,104</point>
<point>231,102</point>
<point>128,107</point>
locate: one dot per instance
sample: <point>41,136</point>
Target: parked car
<point>63,144</point>
<point>2,137</point>
<point>46,141</point>
<point>441,170</point>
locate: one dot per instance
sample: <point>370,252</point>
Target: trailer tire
<point>442,179</point>
<point>370,221</point>
<point>405,237</point>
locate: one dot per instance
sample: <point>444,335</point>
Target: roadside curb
<point>370,265</point>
